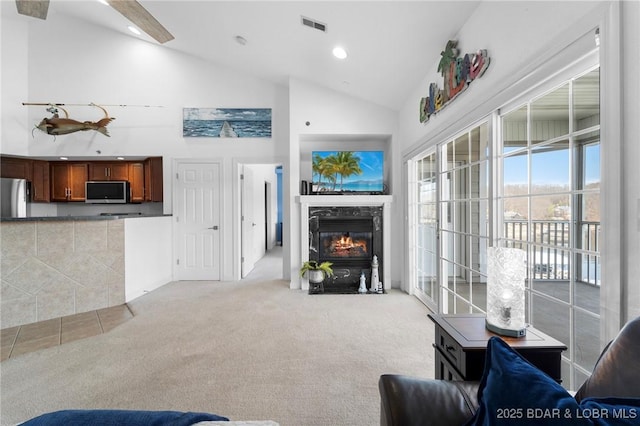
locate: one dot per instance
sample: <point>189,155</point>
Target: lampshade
<point>506,272</point>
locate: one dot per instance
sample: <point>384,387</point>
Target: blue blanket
<point>121,418</point>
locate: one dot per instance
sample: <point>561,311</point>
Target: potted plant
<point>315,271</point>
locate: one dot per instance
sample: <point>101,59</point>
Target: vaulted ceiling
<point>392,45</point>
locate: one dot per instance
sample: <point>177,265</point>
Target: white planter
<point>316,278</point>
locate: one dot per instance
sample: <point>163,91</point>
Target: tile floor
<point>19,340</point>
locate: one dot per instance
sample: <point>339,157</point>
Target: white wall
<point>147,255</point>
<point>516,36</point>
<point>630,12</point>
<point>14,82</point>
<point>333,117</point>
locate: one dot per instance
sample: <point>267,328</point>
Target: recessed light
<point>339,52</point>
<point>134,30</point>
<point>64,158</point>
<point>119,158</point>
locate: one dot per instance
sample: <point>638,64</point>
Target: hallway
<point>269,267</point>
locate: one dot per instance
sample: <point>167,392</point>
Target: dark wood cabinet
<point>136,179</point>
<point>68,181</point>
<point>461,342</point>
<point>100,170</point>
<point>40,183</point>
<point>59,175</point>
<point>15,168</point>
<point>35,171</point>
<point>60,181</point>
<point>153,184</point>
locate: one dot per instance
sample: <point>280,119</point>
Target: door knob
<point>214,227</point>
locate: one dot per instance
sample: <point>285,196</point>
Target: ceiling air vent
<point>314,24</point>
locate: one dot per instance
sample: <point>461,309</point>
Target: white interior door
<point>248,223</point>
<point>198,221</point>
<point>268,217</point>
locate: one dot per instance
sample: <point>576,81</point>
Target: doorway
<point>258,213</point>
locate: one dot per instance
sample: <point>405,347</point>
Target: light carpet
<point>248,350</point>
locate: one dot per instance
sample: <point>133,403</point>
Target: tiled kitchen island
<point>58,266</point>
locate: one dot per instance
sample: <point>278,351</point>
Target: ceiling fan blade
<point>136,13</point>
<point>34,8</point>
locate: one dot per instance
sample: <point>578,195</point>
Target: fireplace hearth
<point>348,237</point>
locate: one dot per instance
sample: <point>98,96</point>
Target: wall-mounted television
<point>343,172</point>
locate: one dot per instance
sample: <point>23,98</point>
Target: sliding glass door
<point>464,221</point>
<point>425,228</point>
<point>449,217</point>
<point>549,201</point>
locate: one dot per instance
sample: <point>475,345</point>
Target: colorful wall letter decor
<point>458,73</point>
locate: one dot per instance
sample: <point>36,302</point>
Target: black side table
<point>461,343</point>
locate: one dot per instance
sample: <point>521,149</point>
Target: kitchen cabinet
<point>40,184</point>
<point>68,181</point>
<point>136,179</point>
<point>61,181</point>
<point>35,171</point>
<point>153,184</point>
<point>108,171</point>
<point>15,168</point>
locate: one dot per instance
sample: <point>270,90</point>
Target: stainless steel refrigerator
<point>14,197</point>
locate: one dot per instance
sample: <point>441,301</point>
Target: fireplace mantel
<point>344,200</point>
<point>307,201</point>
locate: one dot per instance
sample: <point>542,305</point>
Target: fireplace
<point>348,237</point>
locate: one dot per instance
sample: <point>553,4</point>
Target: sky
<point>231,114</point>
<point>551,167</point>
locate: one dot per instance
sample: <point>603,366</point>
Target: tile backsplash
<point>50,269</point>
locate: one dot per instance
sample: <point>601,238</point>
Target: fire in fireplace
<point>344,245</point>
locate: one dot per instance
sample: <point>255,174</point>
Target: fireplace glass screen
<point>345,245</point>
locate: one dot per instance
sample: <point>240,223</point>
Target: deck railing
<point>550,243</point>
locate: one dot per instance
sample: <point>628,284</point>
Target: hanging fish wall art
<point>55,125</point>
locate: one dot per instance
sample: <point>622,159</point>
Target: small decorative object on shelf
<point>363,283</point>
<point>375,279</point>
<point>506,271</point>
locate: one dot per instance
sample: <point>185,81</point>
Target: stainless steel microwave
<point>107,192</point>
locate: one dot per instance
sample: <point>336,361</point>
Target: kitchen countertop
<point>109,216</point>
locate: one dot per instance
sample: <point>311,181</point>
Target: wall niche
<point>312,143</point>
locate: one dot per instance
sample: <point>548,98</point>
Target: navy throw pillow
<point>121,418</point>
<point>513,391</point>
